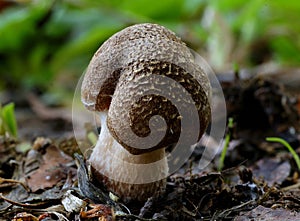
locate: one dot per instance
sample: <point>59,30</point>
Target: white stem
<point>110,159</point>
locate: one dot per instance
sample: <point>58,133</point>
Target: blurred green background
<point>45,46</point>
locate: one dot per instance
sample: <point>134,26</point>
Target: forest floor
<point>259,181</point>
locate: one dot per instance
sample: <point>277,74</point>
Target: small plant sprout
<point>226,143</point>
<point>92,137</point>
<point>288,146</point>
<point>8,123</point>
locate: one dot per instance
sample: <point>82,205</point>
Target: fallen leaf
<point>52,169</point>
<point>100,211</point>
<point>273,170</point>
<point>266,214</point>
<point>25,217</point>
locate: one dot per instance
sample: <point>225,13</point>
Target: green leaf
<point>288,146</point>
<point>17,26</point>
<point>286,51</point>
<point>9,119</point>
<point>149,9</point>
<point>85,45</point>
<point>2,131</point>
<point>92,137</point>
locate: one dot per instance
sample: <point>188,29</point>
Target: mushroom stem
<point>109,161</point>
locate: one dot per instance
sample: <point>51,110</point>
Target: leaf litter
<point>259,180</point>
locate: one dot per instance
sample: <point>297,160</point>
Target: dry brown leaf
<point>266,214</point>
<point>51,170</point>
<point>100,211</point>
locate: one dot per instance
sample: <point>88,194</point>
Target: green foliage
<point>40,41</point>
<point>162,10</point>
<point>273,21</point>
<point>8,123</point>
<point>44,41</point>
<point>226,143</point>
<point>288,146</point>
<point>92,137</point>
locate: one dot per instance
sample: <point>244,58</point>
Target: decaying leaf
<point>266,214</point>
<point>25,217</point>
<point>72,203</point>
<point>100,211</point>
<point>50,170</point>
<point>273,170</point>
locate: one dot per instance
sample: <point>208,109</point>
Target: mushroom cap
<point>134,43</point>
<point>118,76</point>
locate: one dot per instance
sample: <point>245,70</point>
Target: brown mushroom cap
<point>118,73</point>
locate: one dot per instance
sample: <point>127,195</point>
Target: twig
<point>47,113</point>
<point>294,186</point>
<point>131,216</point>
<point>226,212</point>
<point>25,205</point>
<point>3,180</point>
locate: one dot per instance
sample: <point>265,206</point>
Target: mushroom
<point>139,82</point>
